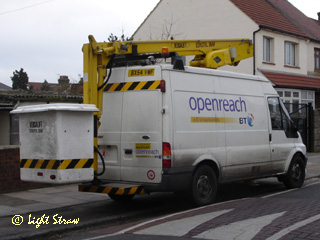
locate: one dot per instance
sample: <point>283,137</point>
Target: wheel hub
<point>204,187</point>
<point>296,171</point>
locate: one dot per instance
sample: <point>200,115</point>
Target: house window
<point>290,54</point>
<point>317,59</point>
<point>293,97</point>
<point>267,49</point>
<point>307,97</point>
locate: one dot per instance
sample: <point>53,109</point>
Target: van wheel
<point>120,198</point>
<point>204,186</point>
<point>296,173</point>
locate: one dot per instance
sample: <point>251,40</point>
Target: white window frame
<point>296,96</point>
<point>290,54</point>
<point>267,49</point>
<point>316,59</point>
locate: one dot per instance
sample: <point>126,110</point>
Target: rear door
<point>130,135</point>
<point>141,136</point>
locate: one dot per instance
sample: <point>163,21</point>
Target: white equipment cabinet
<point>56,142</point>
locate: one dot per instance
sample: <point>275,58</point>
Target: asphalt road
<point>284,214</point>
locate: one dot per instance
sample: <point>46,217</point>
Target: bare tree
<point>167,29</point>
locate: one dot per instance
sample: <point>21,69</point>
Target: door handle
<point>128,151</point>
<point>146,137</point>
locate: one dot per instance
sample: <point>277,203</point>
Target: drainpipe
<point>254,50</point>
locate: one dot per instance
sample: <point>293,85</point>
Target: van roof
<point>189,69</point>
<point>215,72</point>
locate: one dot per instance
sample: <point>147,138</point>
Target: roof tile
<point>275,14</point>
<point>292,80</point>
<point>308,25</point>
<point>4,87</point>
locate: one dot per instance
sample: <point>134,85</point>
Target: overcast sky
<point>45,37</point>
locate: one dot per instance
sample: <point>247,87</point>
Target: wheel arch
<point>292,155</point>
<point>304,157</point>
<point>211,163</point>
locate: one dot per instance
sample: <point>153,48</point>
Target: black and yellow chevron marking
<point>56,164</point>
<point>132,86</point>
<point>112,190</point>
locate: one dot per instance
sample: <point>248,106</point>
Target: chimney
<point>63,80</point>
<point>318,16</point>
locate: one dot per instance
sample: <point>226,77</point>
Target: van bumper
<point>173,180</point>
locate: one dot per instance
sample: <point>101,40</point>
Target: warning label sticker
<point>143,146</point>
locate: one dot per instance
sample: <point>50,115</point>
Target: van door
<point>109,141</point>
<point>130,135</point>
<point>248,149</point>
<point>141,136</point>
<point>281,134</point>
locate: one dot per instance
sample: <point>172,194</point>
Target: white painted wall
<point>279,52</point>
<point>199,19</point>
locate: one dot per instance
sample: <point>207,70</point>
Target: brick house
<point>286,42</point>
<point>62,85</point>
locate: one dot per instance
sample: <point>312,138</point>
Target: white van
<point>189,130</point>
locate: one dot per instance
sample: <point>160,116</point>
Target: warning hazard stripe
<point>112,190</point>
<point>56,164</point>
<point>132,86</point>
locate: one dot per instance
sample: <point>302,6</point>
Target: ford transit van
<point>189,130</point>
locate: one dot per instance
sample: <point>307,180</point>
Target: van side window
<point>280,119</point>
<point>275,113</point>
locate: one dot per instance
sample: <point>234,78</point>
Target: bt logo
<point>248,120</point>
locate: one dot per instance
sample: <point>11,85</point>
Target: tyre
<point>204,186</point>
<point>280,178</point>
<point>120,198</point>
<point>296,173</point>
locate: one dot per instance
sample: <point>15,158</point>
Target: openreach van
<point>163,128</point>
<point>194,129</point>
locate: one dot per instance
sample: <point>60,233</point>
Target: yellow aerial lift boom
<point>98,57</point>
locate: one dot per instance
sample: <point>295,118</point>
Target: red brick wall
<point>10,171</point>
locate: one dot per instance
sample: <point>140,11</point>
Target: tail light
<point>163,86</point>
<point>166,155</point>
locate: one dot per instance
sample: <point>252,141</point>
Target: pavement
<point>35,200</point>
